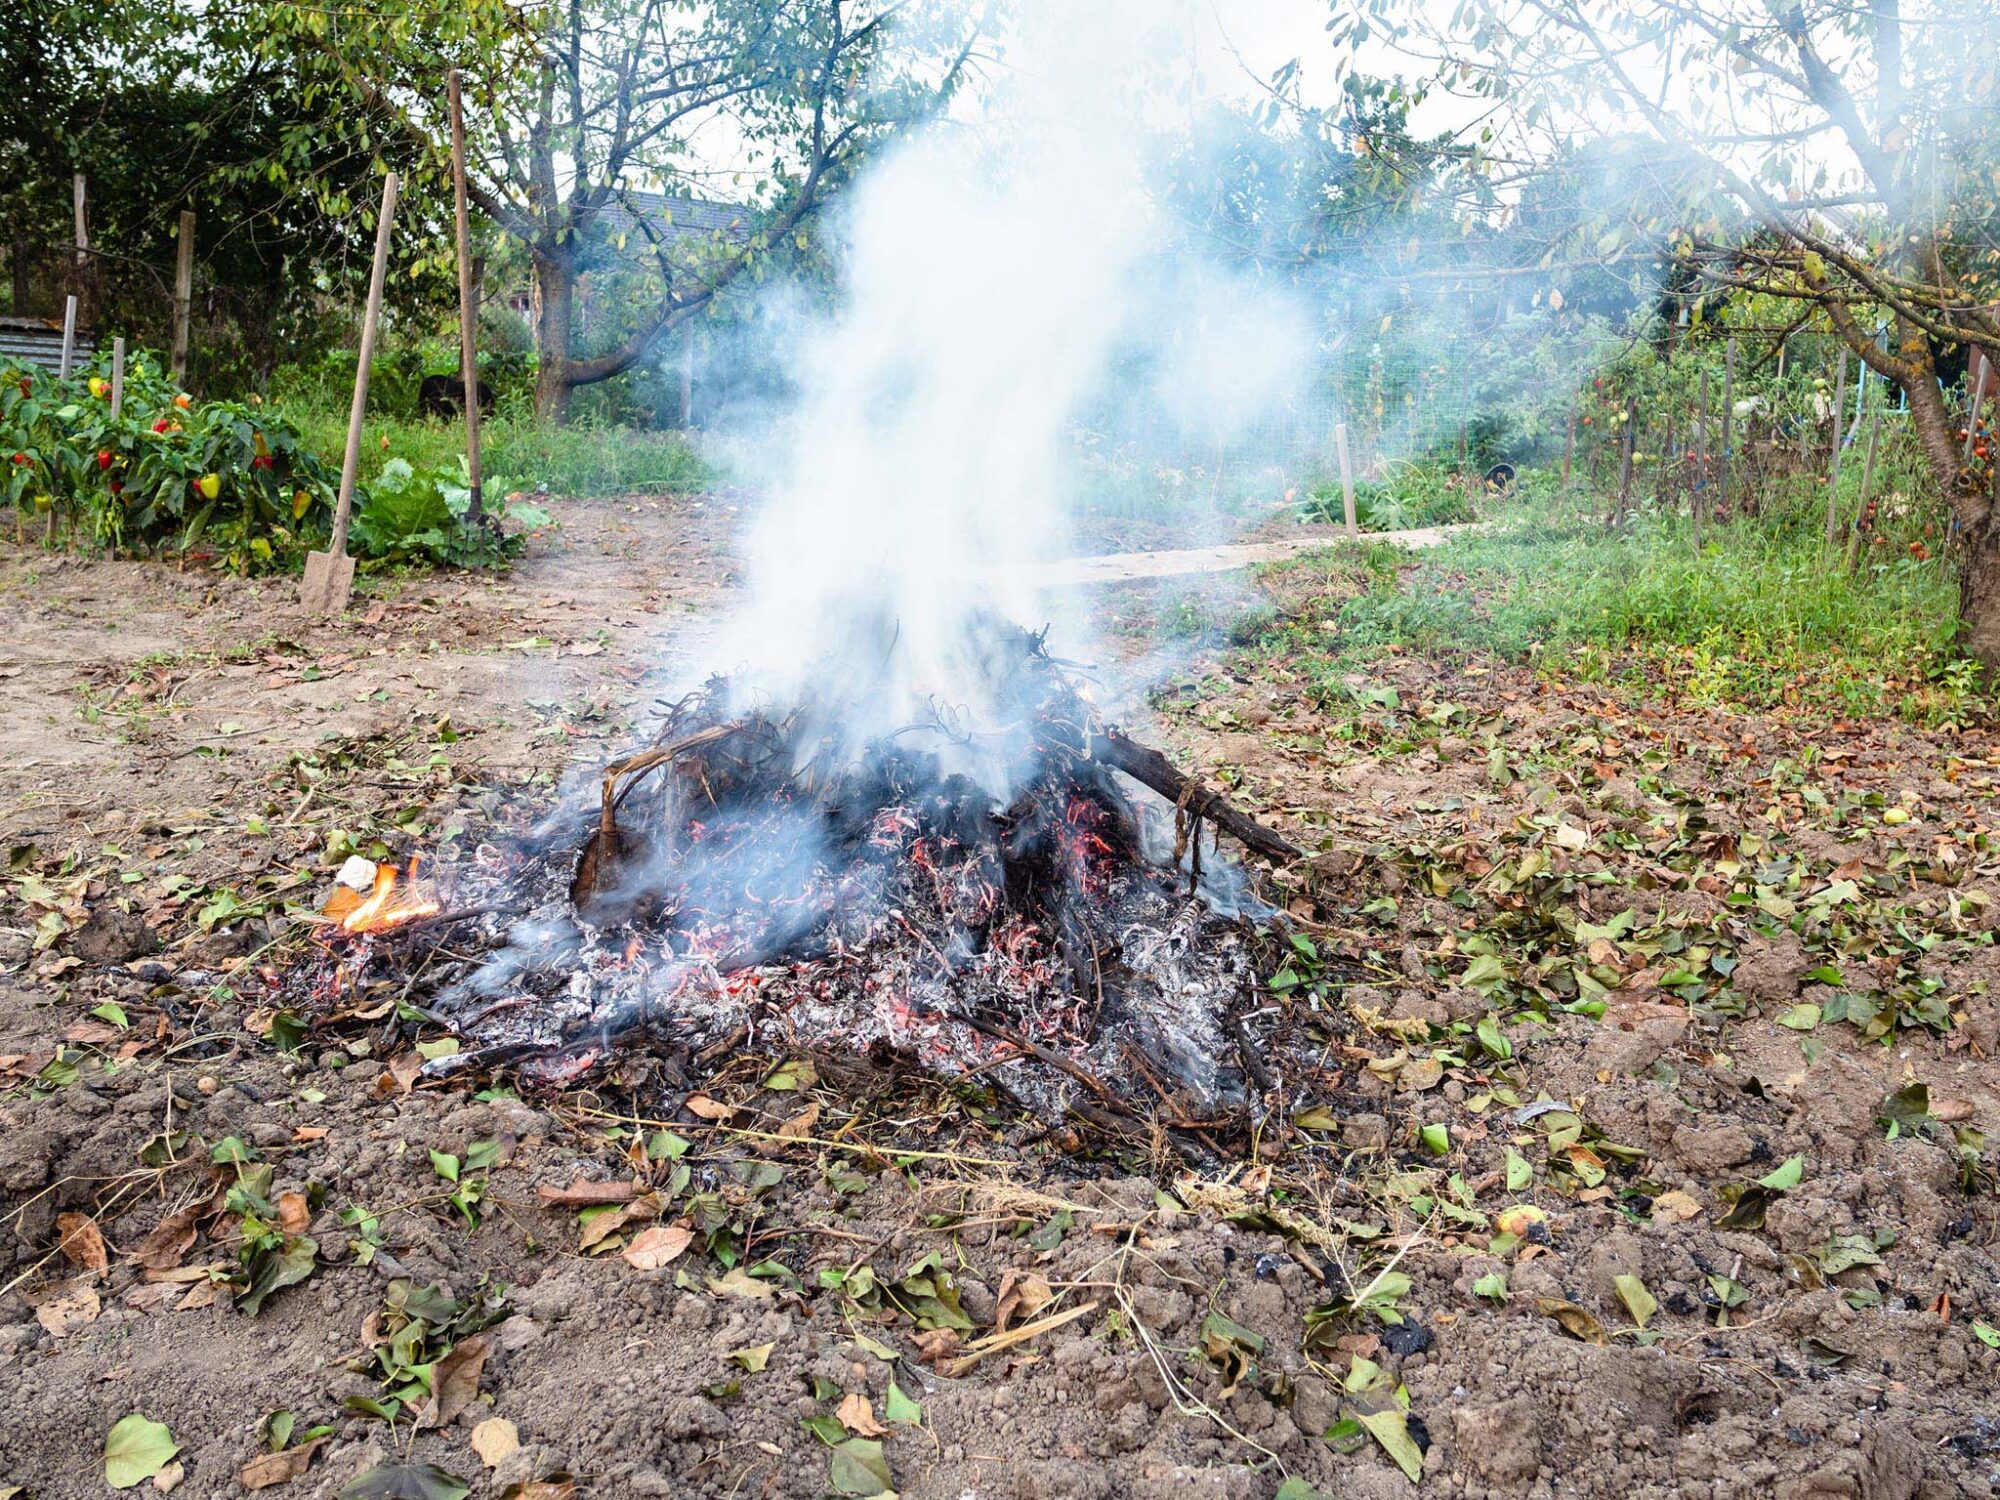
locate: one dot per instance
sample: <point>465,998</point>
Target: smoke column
<point>988,279</point>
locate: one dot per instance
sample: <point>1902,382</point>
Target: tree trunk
<point>555,281</point>
<point>1979,596</point>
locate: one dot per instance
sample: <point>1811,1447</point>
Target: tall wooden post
<point>1833,469</point>
<point>1625,458</point>
<point>77,197</point>
<point>117,377</point>
<point>468,304</point>
<point>1346,478</point>
<point>1867,484</point>
<point>1728,422</point>
<point>69,336</point>
<point>687,375</point>
<point>183,296</point>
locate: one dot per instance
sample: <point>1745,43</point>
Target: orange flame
<point>391,903</point>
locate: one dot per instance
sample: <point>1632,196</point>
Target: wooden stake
<point>1696,498</point>
<point>77,194</point>
<point>117,377</point>
<point>330,574</point>
<point>69,335</point>
<point>183,296</point>
<point>1867,483</point>
<point>1625,458</point>
<point>468,302</point>
<point>1728,423</point>
<point>1346,478</point>
<point>1833,474</point>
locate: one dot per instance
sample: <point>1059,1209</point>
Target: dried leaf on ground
<point>1576,1321</point>
<point>1674,1206</point>
<point>740,1283</point>
<point>753,1358</point>
<point>82,1241</point>
<point>1020,1296</point>
<point>658,1247</point>
<point>800,1124</point>
<point>267,1469</point>
<point>494,1439</point>
<point>857,1415</point>
<point>585,1193</point>
<point>294,1213</point>
<point>73,1307</point>
<point>455,1378</point>
<point>603,1225</point>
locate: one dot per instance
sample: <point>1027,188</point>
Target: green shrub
<point>412,514</point>
<point>231,479</point>
<point>1411,495</point>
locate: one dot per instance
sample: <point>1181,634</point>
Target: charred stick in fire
<point>1048,1055</point>
<point>1153,770</point>
<point>1253,1062</point>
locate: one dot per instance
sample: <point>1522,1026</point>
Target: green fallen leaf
<point>1435,1139</point>
<point>135,1450</point>
<point>897,1407</point>
<point>826,1427</point>
<point>1492,1286</point>
<point>1802,1017</point>
<point>282,1266</point>
<point>1639,1302</point>
<point>1296,1488</point>
<point>1520,1171</point>
<point>860,1469</point>
<point>1987,1334</point>
<point>754,1358</point>
<point>405,1482</point>
<point>1786,1176</point>
<point>1391,1428</point>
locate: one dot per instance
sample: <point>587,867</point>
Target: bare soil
<point>185,758</point>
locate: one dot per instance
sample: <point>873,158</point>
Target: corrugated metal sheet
<point>38,341</point>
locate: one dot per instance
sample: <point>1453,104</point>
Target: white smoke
<point>990,275</point>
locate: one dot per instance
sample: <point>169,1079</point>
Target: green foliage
<point>518,452</point>
<point>422,514</point>
<point>1413,494</point>
<point>229,479</point>
<point>1759,615</point>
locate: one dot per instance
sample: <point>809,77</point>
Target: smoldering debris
<point>974,893</point>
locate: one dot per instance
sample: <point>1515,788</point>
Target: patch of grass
<point>519,453</point>
<point>1761,616</point>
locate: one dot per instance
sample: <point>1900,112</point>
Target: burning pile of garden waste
<point>975,893</point>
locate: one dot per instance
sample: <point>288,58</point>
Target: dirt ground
<point>1590,968</point>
